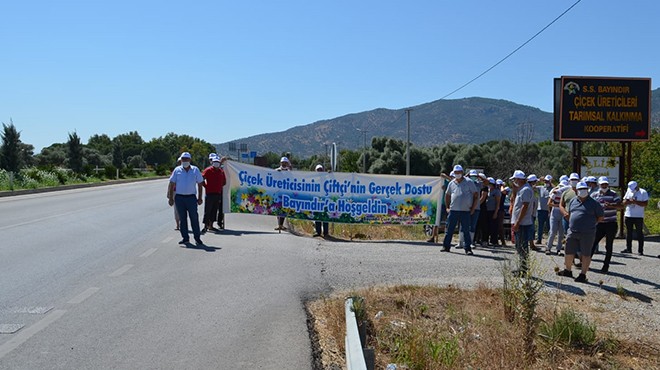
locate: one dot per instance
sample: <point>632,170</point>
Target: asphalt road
<point>94,278</point>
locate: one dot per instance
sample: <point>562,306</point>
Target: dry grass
<point>363,232</point>
<point>447,328</point>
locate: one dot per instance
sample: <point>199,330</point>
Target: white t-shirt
<point>633,210</point>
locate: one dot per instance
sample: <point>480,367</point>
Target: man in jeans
<point>187,180</point>
<point>583,213</point>
<point>521,219</point>
<point>607,228</point>
<point>461,199</point>
<point>635,200</point>
<point>543,212</point>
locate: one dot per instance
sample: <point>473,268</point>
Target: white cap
<point>603,180</point>
<point>318,168</point>
<point>582,185</point>
<point>216,159</point>
<point>591,179</point>
<point>472,173</point>
<point>185,155</point>
<point>547,177</point>
<point>574,176</point>
<point>632,185</point>
<point>532,178</point>
<point>451,174</point>
<point>212,155</point>
<point>564,182</point>
<point>284,159</point>
<point>563,177</point>
<point>491,180</point>
<point>499,182</point>
<point>458,168</point>
<point>518,174</point>
<point>507,189</point>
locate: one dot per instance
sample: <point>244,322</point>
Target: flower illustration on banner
<point>334,215</point>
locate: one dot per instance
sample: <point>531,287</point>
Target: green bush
<point>652,216</point>
<point>110,172</point>
<point>569,328</point>
<point>162,170</point>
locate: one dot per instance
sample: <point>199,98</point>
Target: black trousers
<point>638,223</point>
<point>211,204</point>
<point>607,230</point>
<point>318,224</point>
<point>493,227</point>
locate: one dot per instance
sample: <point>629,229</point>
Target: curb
<point>10,193</point>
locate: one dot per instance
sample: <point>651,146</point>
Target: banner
<point>602,166</point>
<point>332,197</point>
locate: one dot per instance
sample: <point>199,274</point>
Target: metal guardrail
<point>354,355</point>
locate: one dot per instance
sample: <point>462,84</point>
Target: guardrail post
<point>354,355</point>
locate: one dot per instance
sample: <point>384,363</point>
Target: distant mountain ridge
<point>469,120</point>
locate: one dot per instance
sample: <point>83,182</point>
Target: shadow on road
<point>202,247</point>
<point>239,232</point>
<point>628,293</point>
<point>567,288</point>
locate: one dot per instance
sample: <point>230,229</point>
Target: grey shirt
<point>544,194</point>
<point>525,195</point>
<point>491,201</point>
<point>462,195</point>
<point>584,215</point>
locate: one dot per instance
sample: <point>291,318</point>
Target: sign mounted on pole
<point>602,109</point>
<point>602,166</point>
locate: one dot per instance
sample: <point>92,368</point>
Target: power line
<point>513,52</point>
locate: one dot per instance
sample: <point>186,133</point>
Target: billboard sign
<point>602,109</point>
<point>602,166</point>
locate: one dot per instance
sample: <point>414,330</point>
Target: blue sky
<point>222,70</point>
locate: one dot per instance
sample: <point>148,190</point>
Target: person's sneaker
<point>566,273</point>
<point>445,249</point>
<point>560,253</point>
<point>582,278</point>
<point>432,240</point>
<point>548,252</point>
<point>199,242</point>
<point>626,251</point>
<point>184,241</point>
<point>205,229</point>
<point>469,252</point>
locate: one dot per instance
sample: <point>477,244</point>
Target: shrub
<point>110,172</point>
<point>569,328</point>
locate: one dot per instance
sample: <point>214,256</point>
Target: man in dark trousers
<point>318,224</point>
<point>610,201</point>
<point>185,191</point>
<point>214,180</point>
<point>583,213</point>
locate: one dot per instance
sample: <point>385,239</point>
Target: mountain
<point>468,120</point>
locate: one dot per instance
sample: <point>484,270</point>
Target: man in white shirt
<point>635,200</point>
<point>185,191</point>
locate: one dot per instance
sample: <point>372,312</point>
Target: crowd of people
<point>578,213</point>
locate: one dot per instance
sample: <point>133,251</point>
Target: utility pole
<point>408,145</point>
<point>364,153</point>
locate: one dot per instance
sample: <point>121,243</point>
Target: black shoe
<point>469,252</point>
<point>445,249</point>
<point>577,264</point>
<point>184,241</point>
<point>316,235</point>
<point>626,251</point>
<point>566,273</point>
<point>205,229</point>
<point>199,242</point>
<point>548,252</point>
<point>432,240</point>
<point>582,278</point>
<point>641,253</point>
<point>560,253</point>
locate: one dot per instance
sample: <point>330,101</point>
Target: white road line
<point>121,271</point>
<point>36,220</point>
<point>84,295</point>
<point>167,240</point>
<point>25,334</point>
<point>148,252</point>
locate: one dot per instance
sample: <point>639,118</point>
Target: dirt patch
<point>443,328</point>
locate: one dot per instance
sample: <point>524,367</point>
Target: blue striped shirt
<point>609,197</point>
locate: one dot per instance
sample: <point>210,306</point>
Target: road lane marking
<point>167,240</point>
<point>84,295</point>
<point>25,334</point>
<point>148,252</point>
<point>10,328</point>
<point>60,215</point>
<point>121,270</point>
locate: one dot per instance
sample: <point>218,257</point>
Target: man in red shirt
<point>214,180</point>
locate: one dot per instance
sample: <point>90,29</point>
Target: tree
<point>75,149</point>
<point>11,139</point>
<point>131,144</point>
<point>54,155</point>
<point>117,154</point>
<point>101,143</point>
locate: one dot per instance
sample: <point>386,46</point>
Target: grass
<point>652,216</point>
<point>448,328</point>
<point>364,232</point>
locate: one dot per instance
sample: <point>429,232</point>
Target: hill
<point>468,120</point>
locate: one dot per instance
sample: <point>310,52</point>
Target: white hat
<point>564,182</point>
<point>563,177</point>
<point>547,177</point>
<point>632,185</point>
<point>318,167</point>
<point>284,159</point>
<point>185,155</point>
<point>591,179</point>
<point>574,176</point>
<point>499,182</point>
<point>451,174</point>
<point>507,189</point>
<point>212,155</point>
<point>532,178</point>
<point>491,180</point>
<point>518,174</point>
<point>216,159</point>
<point>458,168</point>
<point>472,173</point>
<point>603,180</point>
<point>582,185</point>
